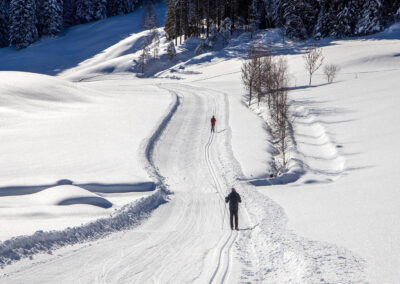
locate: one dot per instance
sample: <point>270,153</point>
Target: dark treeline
<point>300,19</point>
<point>23,22</point>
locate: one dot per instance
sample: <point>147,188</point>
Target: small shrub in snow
<point>202,47</point>
<point>171,51</point>
<point>330,72</point>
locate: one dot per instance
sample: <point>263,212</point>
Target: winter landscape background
<point>109,172</point>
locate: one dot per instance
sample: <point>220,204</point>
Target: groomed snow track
<point>187,239</point>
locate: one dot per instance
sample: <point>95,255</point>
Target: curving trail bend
<point>188,239</point>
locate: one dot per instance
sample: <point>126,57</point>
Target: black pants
<point>234,213</point>
<point>212,128</point>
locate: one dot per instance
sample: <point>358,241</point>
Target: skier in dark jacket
<point>213,121</point>
<point>234,199</point>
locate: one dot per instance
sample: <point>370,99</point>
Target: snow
<point>62,131</point>
<point>347,132</point>
<point>125,170</point>
<point>90,135</point>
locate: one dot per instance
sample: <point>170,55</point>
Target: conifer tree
<point>69,9</point>
<point>23,30</point>
<point>90,10</point>
<point>4,30</point>
<point>119,7</point>
<point>169,26</point>
<point>371,19</point>
<point>150,19</point>
<point>293,22</point>
<point>171,51</point>
<point>50,20</point>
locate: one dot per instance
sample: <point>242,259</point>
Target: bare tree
<point>330,72</point>
<point>144,55</point>
<point>313,60</point>
<point>267,75</point>
<point>251,73</point>
<point>155,39</point>
<point>248,78</point>
<point>282,108</point>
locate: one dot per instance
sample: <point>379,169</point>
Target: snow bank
<point>129,216</point>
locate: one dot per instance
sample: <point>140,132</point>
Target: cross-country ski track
<point>186,240</point>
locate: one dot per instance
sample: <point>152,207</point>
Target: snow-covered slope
<point>81,148</point>
<point>53,130</point>
<point>346,138</point>
<point>53,55</point>
<point>56,132</point>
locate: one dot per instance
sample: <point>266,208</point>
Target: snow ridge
<point>150,143</point>
<point>129,216</point>
<point>283,256</point>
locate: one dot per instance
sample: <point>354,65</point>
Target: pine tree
<point>169,26</point>
<point>192,20</point>
<point>346,19</point>
<point>371,19</point>
<point>69,9</point>
<point>50,20</point>
<point>171,51</point>
<point>119,7</point>
<point>90,10</point>
<point>293,23</point>
<point>4,30</point>
<point>150,19</point>
<point>100,9</point>
<point>23,31</point>
<point>337,19</point>
<point>224,30</point>
<point>254,17</point>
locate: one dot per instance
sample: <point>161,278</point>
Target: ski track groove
<point>225,249</point>
<point>156,252</point>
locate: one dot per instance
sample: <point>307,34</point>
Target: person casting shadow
<point>234,199</point>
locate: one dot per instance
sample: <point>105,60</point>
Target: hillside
<point>121,177</point>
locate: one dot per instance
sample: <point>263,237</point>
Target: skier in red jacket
<point>213,121</point>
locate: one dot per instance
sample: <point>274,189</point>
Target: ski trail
<point>224,260</point>
<point>188,239</point>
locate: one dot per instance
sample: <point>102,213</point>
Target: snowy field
<point>94,139</point>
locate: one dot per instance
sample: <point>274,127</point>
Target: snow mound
<point>30,92</point>
<point>69,195</point>
<point>22,90</point>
